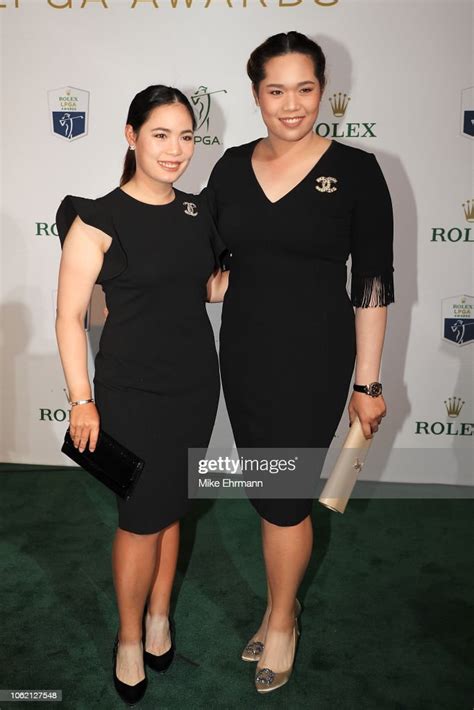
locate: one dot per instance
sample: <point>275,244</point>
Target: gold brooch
<point>326,184</point>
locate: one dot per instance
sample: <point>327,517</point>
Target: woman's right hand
<point>84,426</point>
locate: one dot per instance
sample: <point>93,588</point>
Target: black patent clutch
<point>117,467</point>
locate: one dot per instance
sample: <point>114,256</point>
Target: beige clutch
<point>341,481</point>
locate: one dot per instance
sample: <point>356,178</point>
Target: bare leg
<point>133,563</point>
<point>287,551</point>
<point>158,639</point>
<point>260,634</point>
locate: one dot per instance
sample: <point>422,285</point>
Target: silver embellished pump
<point>254,649</point>
<point>267,680</point>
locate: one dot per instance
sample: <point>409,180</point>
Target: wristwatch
<point>374,389</point>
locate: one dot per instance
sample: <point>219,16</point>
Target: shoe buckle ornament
<point>254,647</point>
<point>265,676</point>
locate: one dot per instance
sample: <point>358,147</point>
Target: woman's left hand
<point>370,411</point>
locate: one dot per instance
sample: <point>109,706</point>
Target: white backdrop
<point>408,70</point>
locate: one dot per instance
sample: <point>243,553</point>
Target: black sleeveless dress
<point>287,340</point>
<point>156,373</point>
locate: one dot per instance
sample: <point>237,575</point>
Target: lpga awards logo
<point>69,109</point>
<point>202,102</point>
<point>339,105</point>
<point>458,319</point>
<point>467,112</point>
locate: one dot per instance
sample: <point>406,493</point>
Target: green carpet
<point>387,603</point>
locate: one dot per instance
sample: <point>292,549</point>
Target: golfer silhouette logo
<point>461,329</point>
<point>201,99</point>
<point>67,121</point>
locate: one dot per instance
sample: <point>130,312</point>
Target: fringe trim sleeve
<point>372,291</point>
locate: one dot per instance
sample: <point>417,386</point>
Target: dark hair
<point>285,43</point>
<point>140,108</point>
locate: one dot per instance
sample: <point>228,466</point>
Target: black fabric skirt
<point>286,370</point>
<point>159,428</point>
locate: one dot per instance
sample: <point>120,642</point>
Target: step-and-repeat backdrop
<point>400,84</point>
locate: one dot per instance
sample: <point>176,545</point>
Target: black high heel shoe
<point>130,694</point>
<point>161,663</point>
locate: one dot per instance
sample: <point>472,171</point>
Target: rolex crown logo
<point>469,210</point>
<point>339,103</point>
<point>453,406</point>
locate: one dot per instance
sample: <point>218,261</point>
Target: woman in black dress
<point>153,250</point>
<point>291,207</point>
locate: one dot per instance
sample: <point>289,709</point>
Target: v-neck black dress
<point>287,340</point>
<point>156,373</point>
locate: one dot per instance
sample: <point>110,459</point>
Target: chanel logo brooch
<point>325,184</point>
<point>190,209</point>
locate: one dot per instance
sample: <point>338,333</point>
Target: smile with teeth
<point>293,121</point>
<point>168,165</point>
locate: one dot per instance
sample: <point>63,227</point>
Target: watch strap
<point>374,389</point>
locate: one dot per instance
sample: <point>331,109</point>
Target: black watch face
<point>375,389</point>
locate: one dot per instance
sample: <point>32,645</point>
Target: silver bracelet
<point>79,401</point>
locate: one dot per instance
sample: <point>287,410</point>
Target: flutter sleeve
<point>221,252</point>
<point>95,214</point>
<point>372,239</point>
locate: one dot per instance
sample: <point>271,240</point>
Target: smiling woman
<point>292,206</point>
<point>289,110</point>
<point>166,138</point>
<point>156,254</point>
